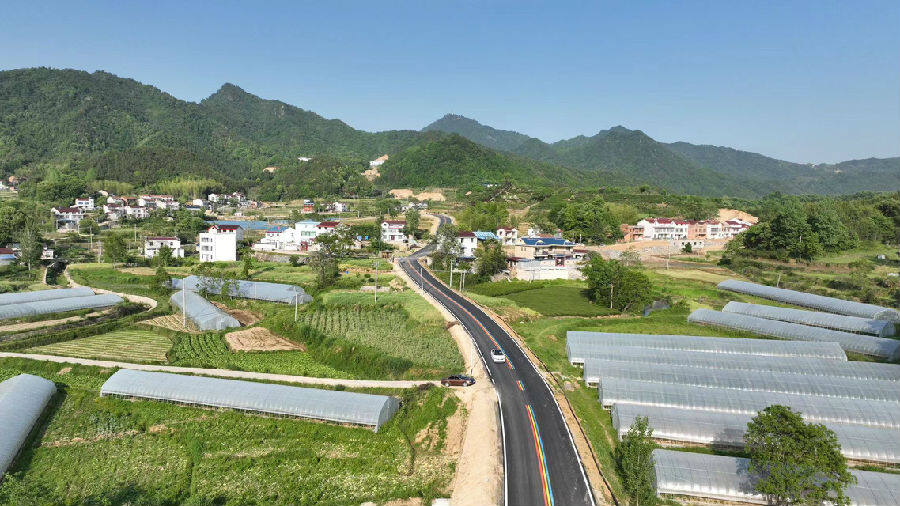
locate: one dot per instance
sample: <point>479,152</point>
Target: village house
<point>67,218</point>
<point>392,231</point>
<point>682,231</point>
<point>282,238</point>
<point>152,245</point>
<point>309,207</point>
<point>543,247</point>
<point>339,207</point>
<point>507,236</point>
<point>468,243</point>
<point>136,212</point>
<point>85,204</point>
<point>235,230</point>
<point>326,227</point>
<point>219,244</point>
<point>306,230</point>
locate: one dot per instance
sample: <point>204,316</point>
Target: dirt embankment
<point>405,193</point>
<point>246,318</point>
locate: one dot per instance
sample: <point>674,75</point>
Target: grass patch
<point>559,300</point>
<point>130,345</point>
<point>97,450</point>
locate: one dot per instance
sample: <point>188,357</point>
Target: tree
<point>587,221</point>
<point>164,257</point>
<point>612,284</point>
<point>31,246</point>
<point>247,258</point>
<point>159,282</point>
<point>634,459</point>
<point>795,462</point>
<point>491,258</point>
<point>324,261</point>
<point>412,221</point>
<point>115,249</point>
<point>387,206</point>
<point>687,248</point>
<point>88,226</point>
<point>447,248</point>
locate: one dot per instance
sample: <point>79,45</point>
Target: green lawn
<point>559,300</point>
<point>95,450</point>
<point>130,345</point>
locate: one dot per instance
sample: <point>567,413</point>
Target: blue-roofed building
<point>481,235</point>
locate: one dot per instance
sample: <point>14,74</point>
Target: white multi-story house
<point>392,231</point>
<point>152,245</point>
<point>279,237</point>
<point>235,230</point>
<point>508,236</point>
<point>339,207</point>
<point>468,243</point>
<point>306,230</point>
<point>664,228</point>
<point>326,227</point>
<point>136,212</point>
<point>67,218</point>
<point>734,227</point>
<point>113,212</point>
<point>213,197</point>
<point>217,246</point>
<point>85,204</point>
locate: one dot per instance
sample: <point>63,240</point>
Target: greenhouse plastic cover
<point>259,290</point>
<point>22,400</point>
<point>58,305</point>
<point>755,381</point>
<point>580,344</point>
<point>723,400</point>
<point>729,479</point>
<point>200,311</point>
<point>331,405</point>
<point>799,365</point>
<point>39,295</point>
<point>868,345</point>
<point>880,328</point>
<point>820,302</point>
<point>858,442</point>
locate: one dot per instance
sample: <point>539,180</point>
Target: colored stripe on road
<point>542,458</point>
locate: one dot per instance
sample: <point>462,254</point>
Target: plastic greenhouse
<point>22,400</point>
<point>39,295</point>
<point>200,311</point>
<point>330,405</point>
<point>858,442</point>
<point>799,365</point>
<point>880,328</point>
<point>723,400</point>
<point>867,345</point>
<point>58,305</point>
<point>580,344</point>
<point>822,303</point>
<point>259,290</point>
<point>729,479</point>
<point>754,381</point>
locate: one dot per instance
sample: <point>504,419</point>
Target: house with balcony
<point>152,245</point>
<point>507,236</point>
<point>392,232</point>
<point>67,218</point>
<point>85,204</point>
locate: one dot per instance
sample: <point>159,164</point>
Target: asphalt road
<point>542,466</point>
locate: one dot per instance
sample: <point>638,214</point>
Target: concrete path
<point>224,373</point>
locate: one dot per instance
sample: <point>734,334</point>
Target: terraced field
<point>130,345</point>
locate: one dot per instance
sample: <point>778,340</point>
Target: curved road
<point>542,466</point>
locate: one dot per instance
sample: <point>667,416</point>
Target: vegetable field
<point>112,451</point>
<point>130,345</point>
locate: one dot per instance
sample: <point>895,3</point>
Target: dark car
<point>458,380</point>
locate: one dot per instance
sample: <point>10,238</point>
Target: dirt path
<point>479,469</point>
<point>18,327</point>
<point>223,373</point>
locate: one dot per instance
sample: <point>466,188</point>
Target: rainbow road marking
<point>542,458</point>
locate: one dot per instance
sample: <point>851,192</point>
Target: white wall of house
<point>152,245</point>
<point>392,232</point>
<point>468,245</point>
<point>217,247</point>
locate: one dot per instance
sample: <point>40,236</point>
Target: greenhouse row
<point>867,345</point>
<point>799,365</point>
<point>729,479</point>
<point>722,400</point>
<point>880,328</point>
<point>822,303</point>
<point>581,345</point>
<point>259,290</point>
<point>858,442</point>
<point>40,295</point>
<point>330,405</point>
<point>22,400</point>
<point>24,309</point>
<point>201,312</point>
<point>753,381</point>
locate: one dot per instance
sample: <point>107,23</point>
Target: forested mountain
<point>627,155</point>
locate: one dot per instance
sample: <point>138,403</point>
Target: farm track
<point>225,373</point>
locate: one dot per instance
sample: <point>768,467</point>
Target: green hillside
<point>502,140</point>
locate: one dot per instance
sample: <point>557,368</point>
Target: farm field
<point>129,345</point>
<point>97,450</point>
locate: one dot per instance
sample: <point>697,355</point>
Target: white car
<point>497,356</point>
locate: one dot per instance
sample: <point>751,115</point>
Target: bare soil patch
<point>405,193</point>
<point>259,339</point>
<point>173,322</point>
<point>242,315</point>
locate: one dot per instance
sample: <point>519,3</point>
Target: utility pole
<point>376,279</point>
<point>183,304</point>
<point>295,306</point>
<point>610,295</point>
<point>451,273</point>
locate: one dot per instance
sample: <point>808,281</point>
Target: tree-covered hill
<point>502,140</point>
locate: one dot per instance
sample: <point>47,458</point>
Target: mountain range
<point>109,127</point>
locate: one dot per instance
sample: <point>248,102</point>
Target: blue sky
<point>814,81</point>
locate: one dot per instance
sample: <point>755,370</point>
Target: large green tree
<point>490,258</point>
<point>794,462</point>
<point>612,284</point>
<point>634,460</point>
